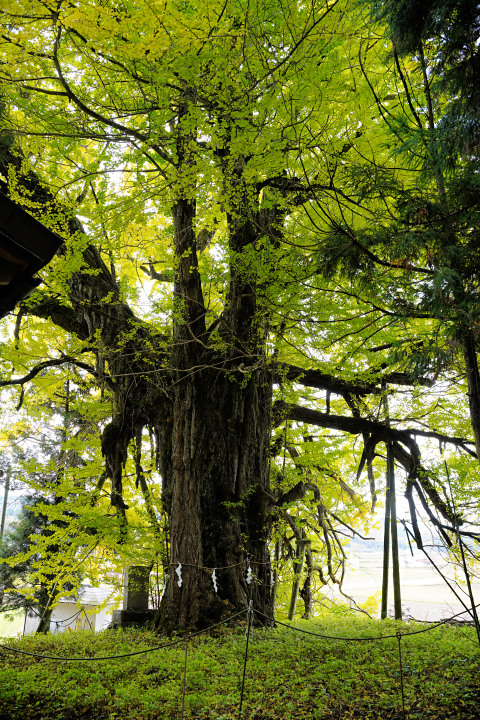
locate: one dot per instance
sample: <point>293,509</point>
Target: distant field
<point>425,596</point>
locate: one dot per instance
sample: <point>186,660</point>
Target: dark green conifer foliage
<point>17,541</point>
<point>418,251</point>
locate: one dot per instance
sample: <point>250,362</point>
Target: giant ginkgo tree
<point>183,144</point>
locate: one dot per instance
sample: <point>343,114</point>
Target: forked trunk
<point>220,511</point>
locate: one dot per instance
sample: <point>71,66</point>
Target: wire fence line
<point>42,656</point>
<point>250,613</point>
<point>364,639</point>
<point>246,611</point>
<point>65,621</point>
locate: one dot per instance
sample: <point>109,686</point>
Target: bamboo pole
<point>386,553</point>
<point>397,598</point>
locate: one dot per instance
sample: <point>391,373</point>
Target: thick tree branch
<point>451,440</point>
<point>399,378</point>
<point>413,514</point>
<point>56,362</point>
<point>149,270</point>
<point>298,492</point>
<point>355,426</point>
<point>419,475</point>
<point>61,315</point>
<point>406,450</point>
<point>358,425</point>
<point>324,381</point>
<point>321,380</point>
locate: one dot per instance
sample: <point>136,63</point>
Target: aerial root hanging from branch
<point>406,451</point>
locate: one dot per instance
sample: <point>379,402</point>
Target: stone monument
<point>135,598</point>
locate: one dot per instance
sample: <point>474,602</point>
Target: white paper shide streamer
<point>214,580</point>
<point>178,570</point>
<point>249,577</point>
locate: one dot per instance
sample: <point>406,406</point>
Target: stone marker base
<point>130,618</point>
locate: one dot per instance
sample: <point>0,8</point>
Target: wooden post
<point>386,527</point>
<point>390,528</point>
<point>386,552</point>
<point>297,569</point>
<point>397,599</point>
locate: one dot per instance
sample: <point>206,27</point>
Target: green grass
<point>289,675</point>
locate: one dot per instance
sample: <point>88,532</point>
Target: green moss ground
<point>289,675</point>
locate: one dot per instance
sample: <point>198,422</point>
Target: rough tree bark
<point>219,513</point>
<point>473,385</point>
<point>220,509</point>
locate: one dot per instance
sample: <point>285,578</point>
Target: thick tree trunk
<point>220,510</point>
<point>473,384</point>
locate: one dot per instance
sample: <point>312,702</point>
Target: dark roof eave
<point>25,247</point>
